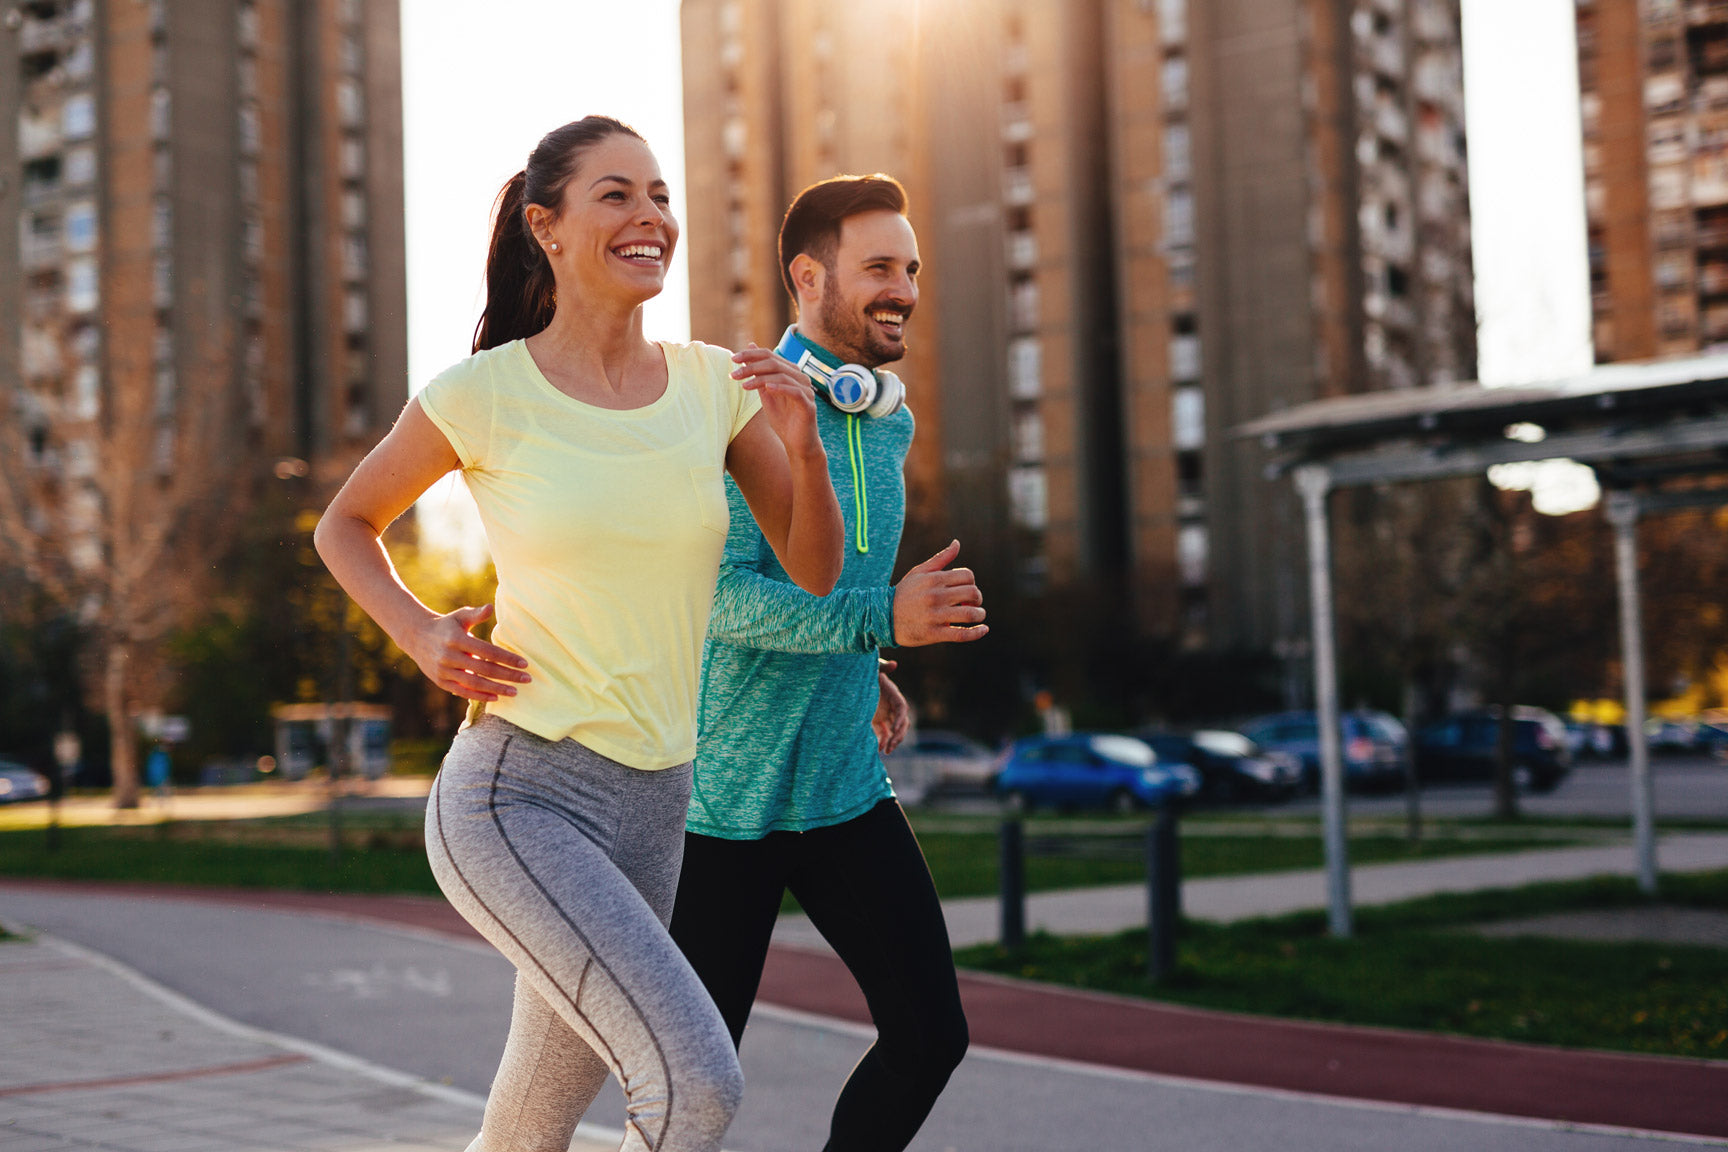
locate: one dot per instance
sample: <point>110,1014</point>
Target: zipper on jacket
<point>860,495</point>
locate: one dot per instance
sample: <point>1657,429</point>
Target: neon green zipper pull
<point>860,496</point>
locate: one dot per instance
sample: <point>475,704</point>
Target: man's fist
<point>935,604</point>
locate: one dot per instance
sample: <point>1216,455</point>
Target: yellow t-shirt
<point>606,528</point>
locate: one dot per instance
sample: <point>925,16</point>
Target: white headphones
<point>852,388</point>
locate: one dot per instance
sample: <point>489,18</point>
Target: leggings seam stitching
<point>449,855</point>
<point>593,958</point>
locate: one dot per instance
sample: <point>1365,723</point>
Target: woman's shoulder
<point>483,365</point>
<point>698,358</point>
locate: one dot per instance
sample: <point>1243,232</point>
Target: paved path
<point>1096,911</point>
<point>97,1057</point>
<point>1050,1068</point>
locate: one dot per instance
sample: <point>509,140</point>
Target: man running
<point>790,792</point>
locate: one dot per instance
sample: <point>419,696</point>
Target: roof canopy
<point>1631,422</point>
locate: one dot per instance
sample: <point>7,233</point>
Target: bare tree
<point>121,520</point>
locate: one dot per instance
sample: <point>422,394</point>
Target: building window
<point>251,132</point>
<point>86,393</point>
<point>1173,20</point>
<point>80,62</point>
<point>161,113</point>
<point>162,223</point>
<point>353,256</point>
<point>353,211</point>
<point>162,280</point>
<point>81,227</point>
<point>1174,77</point>
<point>1023,303</point>
<point>354,311</point>
<point>1029,498</point>
<point>1177,153</point>
<point>78,116</point>
<point>1185,358</point>
<point>353,158</point>
<point>81,285</point>
<point>348,102</point>
<point>1025,368</point>
<point>80,166</point>
<point>1192,554</point>
<point>1179,217</point>
<point>1187,418</point>
<point>1029,437</point>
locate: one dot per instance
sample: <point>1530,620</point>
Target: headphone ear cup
<point>852,388</point>
<point>890,395</point>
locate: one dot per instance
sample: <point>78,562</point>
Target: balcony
<point>1387,56</point>
<point>1713,279</point>
<point>37,35</point>
<point>1391,123</point>
<point>36,253</point>
<point>38,137</point>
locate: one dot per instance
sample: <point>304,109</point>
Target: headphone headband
<point>852,388</point>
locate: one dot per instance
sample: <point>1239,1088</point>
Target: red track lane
<point>1580,1087</point>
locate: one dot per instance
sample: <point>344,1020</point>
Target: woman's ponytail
<point>519,290</point>
<point>521,294</point>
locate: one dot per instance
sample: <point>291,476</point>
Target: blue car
<point>1372,745</point>
<point>1090,770</point>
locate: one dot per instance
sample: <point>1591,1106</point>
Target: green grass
<point>184,854</point>
<point>1414,966</point>
<point>383,853</point>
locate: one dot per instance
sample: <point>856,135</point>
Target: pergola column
<point>1622,509</point>
<point>1315,484</point>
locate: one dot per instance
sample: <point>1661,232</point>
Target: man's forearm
<point>757,611</point>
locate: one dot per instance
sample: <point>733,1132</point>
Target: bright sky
<point>480,90</point>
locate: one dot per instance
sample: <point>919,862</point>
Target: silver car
<point>20,783</point>
<point>933,761</point>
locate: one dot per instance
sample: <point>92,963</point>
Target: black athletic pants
<point>866,888</point>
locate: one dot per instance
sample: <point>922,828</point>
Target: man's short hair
<point>812,223</point>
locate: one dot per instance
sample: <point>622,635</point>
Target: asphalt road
<point>1685,787</point>
<point>438,1007</point>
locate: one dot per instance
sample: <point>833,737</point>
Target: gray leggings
<point>568,863</point>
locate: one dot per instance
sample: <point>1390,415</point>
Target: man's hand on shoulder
<point>936,604</point>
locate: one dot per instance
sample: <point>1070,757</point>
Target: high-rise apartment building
<point>1653,79</point>
<point>1144,222</point>
<point>205,286</point>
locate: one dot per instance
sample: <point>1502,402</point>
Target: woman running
<point>556,823</point>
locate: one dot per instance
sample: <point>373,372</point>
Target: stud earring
<point>554,245</point>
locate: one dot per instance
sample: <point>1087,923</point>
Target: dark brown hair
<point>812,223</point>
<point>520,293</point>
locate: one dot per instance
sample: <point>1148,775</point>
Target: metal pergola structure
<point>1643,428</point>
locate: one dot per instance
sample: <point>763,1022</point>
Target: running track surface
<point>1581,1087</point>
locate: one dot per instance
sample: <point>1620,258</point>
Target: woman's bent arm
<point>781,468</point>
<point>391,478</point>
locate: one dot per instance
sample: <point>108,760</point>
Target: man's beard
<point>854,337</point>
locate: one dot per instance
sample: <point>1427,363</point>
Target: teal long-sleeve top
<point>788,683</point>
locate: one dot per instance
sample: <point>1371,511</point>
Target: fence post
<point>1013,877</point>
<point>1163,892</point>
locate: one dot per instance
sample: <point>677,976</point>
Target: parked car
<point>18,782</point>
<point>934,762</point>
<point>1465,746</point>
<point>1091,770</point>
<point>1231,766</point>
<point>1372,745</point>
